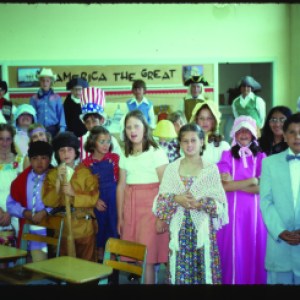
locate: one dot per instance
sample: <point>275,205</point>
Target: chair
<point>115,249</point>
<point>17,274</point>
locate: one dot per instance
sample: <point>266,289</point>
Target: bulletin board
<point>120,76</point>
<point>164,82</point>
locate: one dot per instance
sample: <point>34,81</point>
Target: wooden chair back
<point>18,275</point>
<point>54,223</point>
<point>117,249</point>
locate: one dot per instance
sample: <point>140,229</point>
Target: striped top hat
<point>92,101</point>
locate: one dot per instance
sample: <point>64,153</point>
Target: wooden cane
<point>70,237</point>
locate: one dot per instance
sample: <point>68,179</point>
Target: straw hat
<point>165,129</point>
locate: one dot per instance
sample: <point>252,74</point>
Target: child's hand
<point>37,217</point>
<point>226,177</point>
<point>100,205</point>
<point>161,226</point>
<point>62,172</point>
<point>4,218</point>
<point>186,200</point>
<point>67,189</point>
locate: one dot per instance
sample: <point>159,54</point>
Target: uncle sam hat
<point>92,101</point>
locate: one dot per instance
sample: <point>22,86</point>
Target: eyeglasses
<point>275,120</point>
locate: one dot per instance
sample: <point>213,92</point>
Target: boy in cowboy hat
<point>48,105</point>
<point>249,104</point>
<point>72,106</point>
<point>6,106</point>
<point>92,105</point>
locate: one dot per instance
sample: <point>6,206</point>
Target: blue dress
<point>107,220</point>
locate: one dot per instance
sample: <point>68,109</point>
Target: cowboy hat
<point>46,73</point>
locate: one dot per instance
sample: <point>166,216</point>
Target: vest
<point>189,105</point>
<point>18,191</point>
<point>249,110</point>
<point>143,107</point>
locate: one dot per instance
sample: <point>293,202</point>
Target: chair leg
<point>114,278</point>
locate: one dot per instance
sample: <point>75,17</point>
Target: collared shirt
<point>260,106</point>
<point>50,110</point>
<point>151,113</point>
<point>16,209</point>
<point>294,165</point>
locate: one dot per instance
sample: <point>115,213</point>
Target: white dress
<point>8,172</point>
<point>213,154</point>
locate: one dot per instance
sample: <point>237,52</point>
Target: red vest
<point>18,191</point>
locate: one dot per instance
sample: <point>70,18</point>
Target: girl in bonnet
<point>242,242</point>
<point>208,117</point>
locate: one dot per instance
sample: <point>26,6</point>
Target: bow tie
<point>291,157</point>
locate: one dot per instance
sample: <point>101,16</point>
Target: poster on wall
<point>193,74</point>
<point>27,77</point>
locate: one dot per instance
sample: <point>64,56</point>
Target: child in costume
<point>24,116</point>
<point>192,201</point>
<point>105,165</point>
<point>249,104</point>
<point>92,105</point>
<point>72,106</point>
<point>25,202</point>
<point>242,242</point>
<point>141,169</point>
<point>208,117</point>
<point>280,207</point>
<point>48,105</point>
<point>81,186</point>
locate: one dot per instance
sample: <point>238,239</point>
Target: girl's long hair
<point>147,137</point>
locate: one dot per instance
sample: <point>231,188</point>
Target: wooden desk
<point>9,253</point>
<point>70,269</point>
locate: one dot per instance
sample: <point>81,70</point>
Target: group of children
<point>195,201</point>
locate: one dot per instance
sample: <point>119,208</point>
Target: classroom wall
<point>108,34</point>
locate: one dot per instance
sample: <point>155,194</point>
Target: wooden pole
<point>70,237</point>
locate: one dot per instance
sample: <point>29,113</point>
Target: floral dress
<point>190,260</point>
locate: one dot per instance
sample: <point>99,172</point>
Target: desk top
<point>7,252</point>
<point>70,269</point>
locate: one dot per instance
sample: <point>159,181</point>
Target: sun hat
<point>165,129</point>
<point>46,73</point>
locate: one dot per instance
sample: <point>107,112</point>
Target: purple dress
<point>242,242</point>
